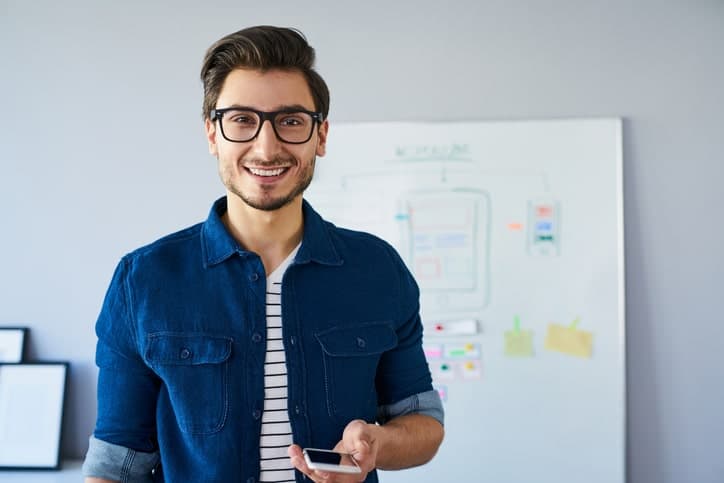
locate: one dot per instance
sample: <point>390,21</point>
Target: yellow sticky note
<point>519,343</point>
<point>569,340</point>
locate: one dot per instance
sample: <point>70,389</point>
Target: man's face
<point>266,173</point>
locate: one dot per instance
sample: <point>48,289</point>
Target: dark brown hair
<point>263,48</point>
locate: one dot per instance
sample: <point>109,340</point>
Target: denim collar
<point>217,245</point>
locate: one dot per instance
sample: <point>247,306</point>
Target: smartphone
<point>326,460</point>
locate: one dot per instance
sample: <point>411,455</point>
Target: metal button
<point>256,337</point>
<point>184,353</point>
<point>293,340</point>
<point>256,414</point>
<point>361,343</point>
<point>254,277</point>
<point>297,409</point>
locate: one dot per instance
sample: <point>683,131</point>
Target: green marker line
<point>575,323</point>
<point>516,324</point>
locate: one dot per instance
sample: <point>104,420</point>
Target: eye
<point>242,118</point>
<point>292,119</point>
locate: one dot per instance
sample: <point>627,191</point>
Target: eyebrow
<point>284,107</point>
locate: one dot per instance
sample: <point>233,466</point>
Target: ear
<point>322,142</point>
<point>211,136</point>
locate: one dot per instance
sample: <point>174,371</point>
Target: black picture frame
<point>32,399</point>
<point>13,341</point>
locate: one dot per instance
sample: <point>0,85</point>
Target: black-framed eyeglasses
<point>243,124</point>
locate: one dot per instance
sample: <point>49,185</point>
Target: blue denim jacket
<point>181,345</point>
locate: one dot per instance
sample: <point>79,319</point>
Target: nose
<point>266,143</point>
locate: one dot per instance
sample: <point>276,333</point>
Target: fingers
<point>359,438</point>
<point>295,450</point>
<point>297,460</point>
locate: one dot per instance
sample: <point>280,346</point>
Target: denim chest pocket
<point>351,355</point>
<point>194,369</point>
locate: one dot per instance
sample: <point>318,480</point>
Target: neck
<point>270,234</point>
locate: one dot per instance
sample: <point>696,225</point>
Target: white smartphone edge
<point>333,468</point>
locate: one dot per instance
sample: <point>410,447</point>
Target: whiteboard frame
<point>622,285</point>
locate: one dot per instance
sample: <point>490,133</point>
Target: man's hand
<point>359,439</point>
<point>403,442</point>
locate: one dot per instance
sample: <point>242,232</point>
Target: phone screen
<point>328,458</point>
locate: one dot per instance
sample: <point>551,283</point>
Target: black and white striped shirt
<point>276,432</point>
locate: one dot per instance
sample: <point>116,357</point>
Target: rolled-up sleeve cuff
<point>427,403</point>
<point>118,463</point>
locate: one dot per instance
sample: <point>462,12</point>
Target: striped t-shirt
<point>276,432</point>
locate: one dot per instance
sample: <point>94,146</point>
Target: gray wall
<point>102,150</point>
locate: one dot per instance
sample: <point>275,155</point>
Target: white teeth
<point>267,172</point>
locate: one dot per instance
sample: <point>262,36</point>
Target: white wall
<point>101,150</point>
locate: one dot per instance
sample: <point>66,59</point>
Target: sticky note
<point>442,371</point>
<point>470,369</point>
<point>453,327</point>
<point>519,343</point>
<point>569,340</point>
<point>465,350</point>
<point>432,351</point>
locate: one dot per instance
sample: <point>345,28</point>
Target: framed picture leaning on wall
<point>31,414</point>
<point>12,343</point>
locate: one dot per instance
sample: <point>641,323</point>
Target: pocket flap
<point>358,340</point>
<point>187,349</point>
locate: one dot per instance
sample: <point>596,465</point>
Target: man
<point>227,347</point>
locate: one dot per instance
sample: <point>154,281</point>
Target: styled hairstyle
<point>261,48</point>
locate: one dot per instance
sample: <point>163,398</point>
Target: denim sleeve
<point>403,371</point>
<point>118,463</point>
<point>127,387</point>
<point>427,403</point>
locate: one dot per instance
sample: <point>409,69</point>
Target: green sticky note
<point>519,343</point>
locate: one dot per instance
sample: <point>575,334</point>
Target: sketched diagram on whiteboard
<point>439,224</point>
<point>444,237</point>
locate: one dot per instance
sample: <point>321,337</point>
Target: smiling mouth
<point>267,173</point>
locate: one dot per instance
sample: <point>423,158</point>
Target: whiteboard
<point>514,233</point>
